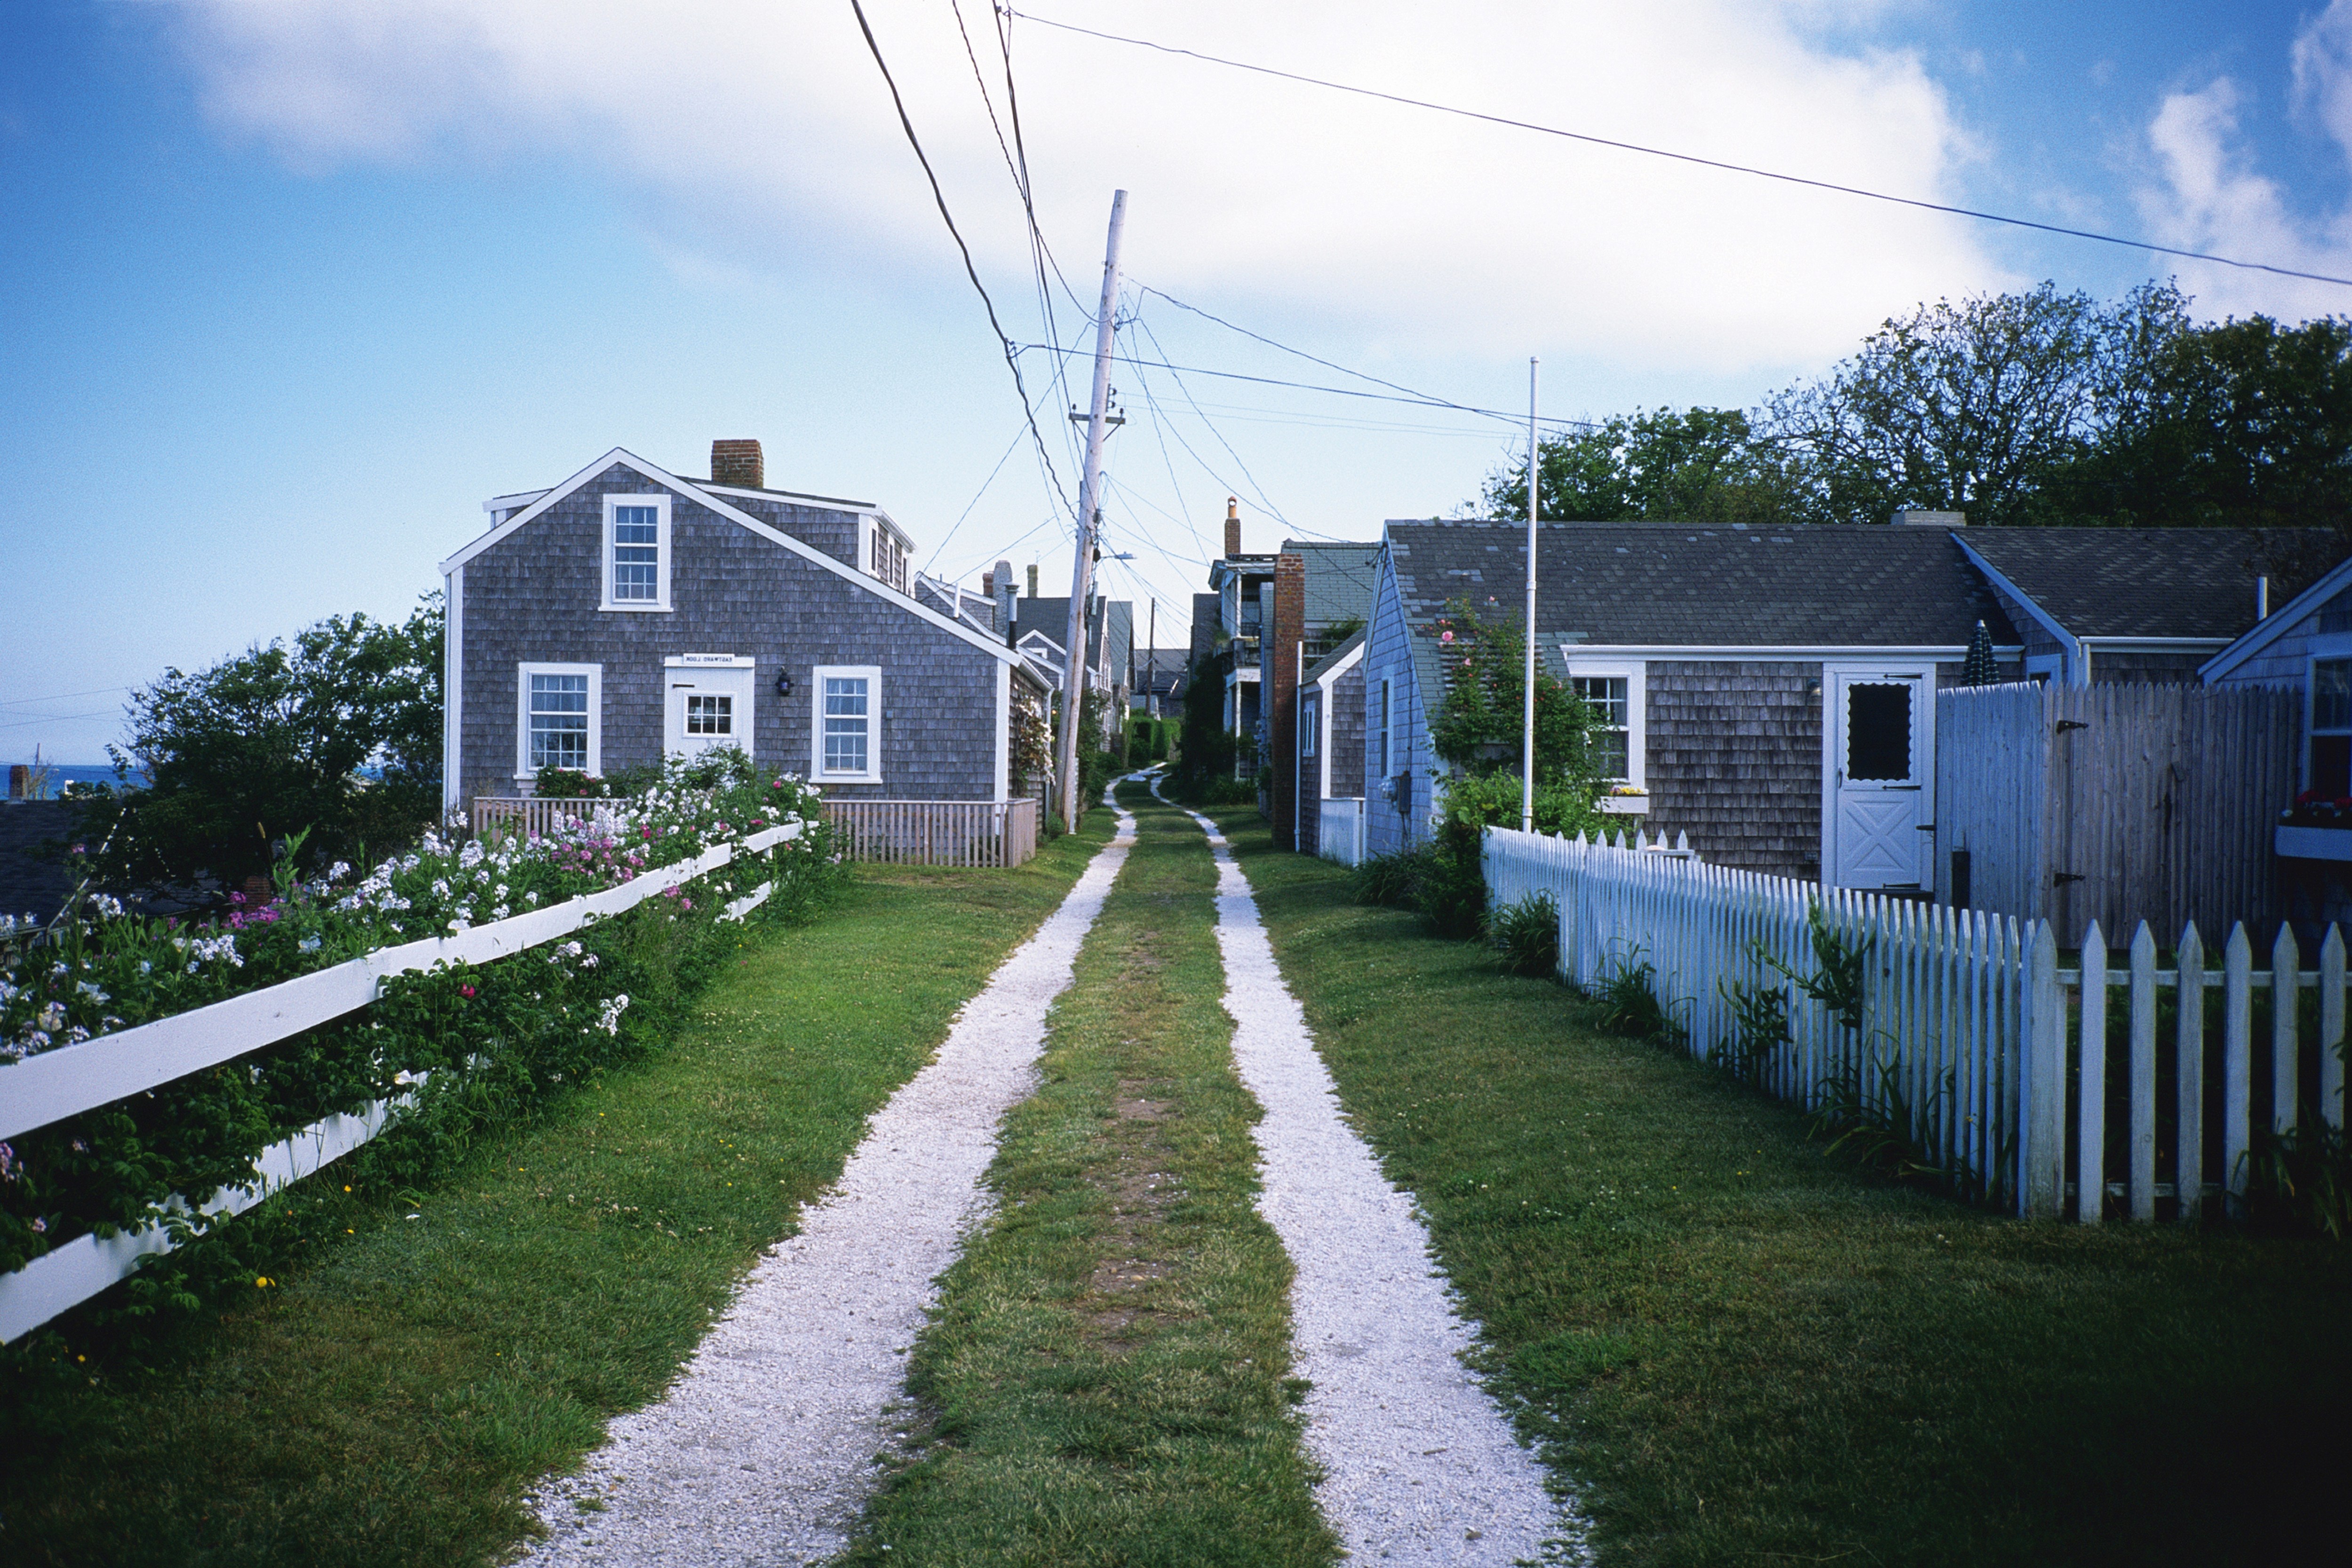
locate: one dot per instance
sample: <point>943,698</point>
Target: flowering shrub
<point>486,1040</point>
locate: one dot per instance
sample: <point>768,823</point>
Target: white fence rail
<point>1972,1041</point>
<point>56,1084</point>
<point>1339,831</point>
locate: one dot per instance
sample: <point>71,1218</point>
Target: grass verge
<point>388,1402</point>
<point>1739,1348</point>
<point>1105,1380</point>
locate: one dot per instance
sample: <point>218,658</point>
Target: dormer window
<point>636,552</point>
<point>887,557</point>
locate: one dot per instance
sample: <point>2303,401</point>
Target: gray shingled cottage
<point>1771,691</point>
<point>628,613</point>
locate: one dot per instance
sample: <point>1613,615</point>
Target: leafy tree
<point>1975,406</point>
<point>1480,723</point>
<point>271,743</point>
<point>2242,424</point>
<point>1693,465</point>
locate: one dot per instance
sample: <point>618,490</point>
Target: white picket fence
<point>1995,1059</point>
<point>56,1084</point>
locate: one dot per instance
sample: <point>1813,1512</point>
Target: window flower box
<point>2314,843</point>
<point>1625,801</point>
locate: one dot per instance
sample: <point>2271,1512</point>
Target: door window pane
<point>709,715</point>
<point>559,722</point>
<point>1878,731</point>
<point>845,724</point>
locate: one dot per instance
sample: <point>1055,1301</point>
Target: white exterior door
<point>706,703</point>
<point>1878,806</point>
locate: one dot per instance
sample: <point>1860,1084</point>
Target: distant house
<point>1330,761</point>
<point>1769,691</point>
<point>2305,643</point>
<point>627,614</point>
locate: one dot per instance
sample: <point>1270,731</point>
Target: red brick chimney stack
<point>1281,682</point>
<point>738,462</point>
<point>1233,527</point>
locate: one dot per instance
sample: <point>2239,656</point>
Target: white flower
<point>310,944</point>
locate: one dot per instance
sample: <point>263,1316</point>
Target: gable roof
<point>702,496</point>
<point>2335,580</point>
<point>2150,582</point>
<point>1337,659</point>
<point>1340,577</point>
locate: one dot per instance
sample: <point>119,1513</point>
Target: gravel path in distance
<point>1419,1465</point>
<point>762,1452</point>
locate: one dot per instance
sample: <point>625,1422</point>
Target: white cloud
<point>2212,197</point>
<point>751,127</point>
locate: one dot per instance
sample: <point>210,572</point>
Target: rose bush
<point>473,1044</point>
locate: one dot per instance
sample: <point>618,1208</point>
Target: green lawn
<point>1105,1383</point>
<point>388,1401</point>
<point>1737,1348</point>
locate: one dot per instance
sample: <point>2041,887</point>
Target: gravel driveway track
<point>1420,1465</point>
<point>762,1452</point>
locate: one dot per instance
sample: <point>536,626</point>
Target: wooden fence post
<point>2188,1069</point>
<point>2331,1027</point>
<point>2091,1129</point>
<point>2142,1180</point>
<point>2237,1059</point>
<point>2285,1007</point>
<point>2042,1146</point>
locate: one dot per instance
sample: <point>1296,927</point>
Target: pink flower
<point>465,990</point>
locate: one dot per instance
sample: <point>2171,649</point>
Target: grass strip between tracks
<point>1741,1348</point>
<point>389,1402</point>
<point>1105,1382</point>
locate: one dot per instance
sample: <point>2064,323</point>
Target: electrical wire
<point>1519,418</point>
<point>1012,359</point>
<point>1693,158</point>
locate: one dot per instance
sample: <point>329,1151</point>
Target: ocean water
<point>61,774</point>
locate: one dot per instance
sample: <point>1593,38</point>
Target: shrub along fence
<point>124,1140</point>
<point>1956,1035</point>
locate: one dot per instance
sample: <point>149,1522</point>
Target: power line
<point>1693,158</point>
<point>1417,399</point>
<point>1011,359</point>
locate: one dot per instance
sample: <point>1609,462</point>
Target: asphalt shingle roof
<point>2155,582</point>
<point>1340,579</point>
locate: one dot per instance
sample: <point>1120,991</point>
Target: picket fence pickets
<point>1972,1041</point>
<point>56,1084</point>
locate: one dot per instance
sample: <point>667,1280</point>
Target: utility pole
<point>1089,509</point>
<point>1151,661</point>
<point>1528,759</point>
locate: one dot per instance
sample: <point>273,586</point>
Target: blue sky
<point>289,289</point>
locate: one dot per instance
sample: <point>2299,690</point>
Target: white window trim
<point>2328,646</point>
<point>660,601</point>
<point>1635,674</point>
<point>523,673</point>
<point>872,673</point>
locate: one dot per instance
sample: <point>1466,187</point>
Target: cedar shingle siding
<point>533,597</point>
<point>1735,752</point>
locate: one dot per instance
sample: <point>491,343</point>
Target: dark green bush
<point>1526,934</point>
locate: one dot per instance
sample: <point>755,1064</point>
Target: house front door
<point>707,704</point>
<point>1878,808</point>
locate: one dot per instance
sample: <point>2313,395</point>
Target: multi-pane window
<point>889,558</point>
<point>1310,720</point>
<point>1610,738</point>
<point>848,724</point>
<point>559,722</point>
<point>709,715</point>
<point>636,555</point>
<point>2331,727</point>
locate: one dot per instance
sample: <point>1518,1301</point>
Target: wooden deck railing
<point>937,833</point>
<point>530,815</point>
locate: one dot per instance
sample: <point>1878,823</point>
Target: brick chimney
<point>1005,595</point>
<point>1233,527</point>
<point>738,462</point>
<point>1280,678</point>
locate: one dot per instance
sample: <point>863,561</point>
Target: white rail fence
<point>2028,1083</point>
<point>56,1084</point>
